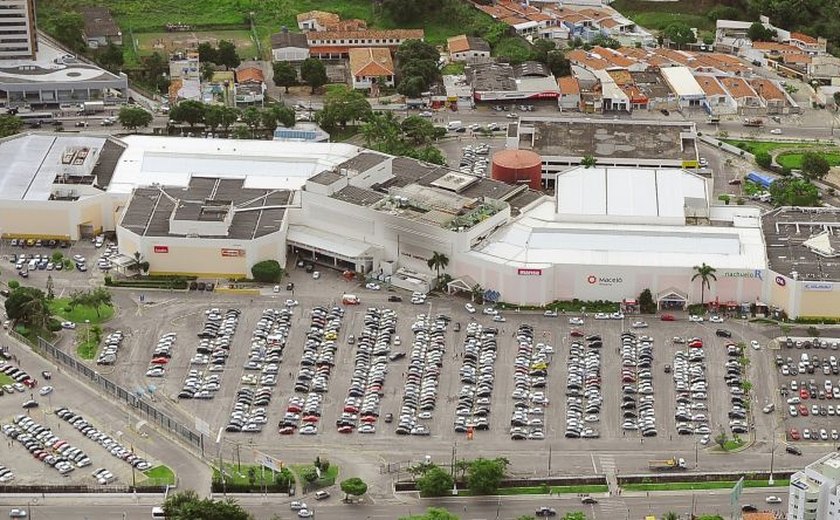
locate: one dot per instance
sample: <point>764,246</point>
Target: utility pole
<point>549,460</point>
<point>770,481</point>
<point>454,459</point>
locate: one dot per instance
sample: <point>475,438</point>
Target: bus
<point>35,118</point>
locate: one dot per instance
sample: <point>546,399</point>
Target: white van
<point>33,264</point>
<point>454,125</point>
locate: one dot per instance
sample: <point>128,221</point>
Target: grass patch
<point>160,476</point>
<point>340,135</point>
<point>168,42</point>
<point>689,486</point>
<point>328,478</point>
<point>732,444</point>
<point>793,160</point>
<point>87,349</point>
<point>657,16</point>
<point>754,147</point>
<point>6,380</point>
<point>80,313</point>
<point>454,67</point>
<point>513,47</point>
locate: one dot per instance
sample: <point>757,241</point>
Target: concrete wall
<point>802,298</point>
<point>54,219</point>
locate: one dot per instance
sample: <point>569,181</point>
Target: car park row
<point>267,344</point>
<point>583,385</point>
<point>362,405</point>
<point>637,407</point>
<point>474,159</point>
<point>477,377</point>
<point>213,350</point>
<point>314,374</point>
<point>735,378</point>
<point>112,445</point>
<point>690,380</point>
<point>161,355</point>
<point>46,446</point>
<point>809,391</point>
<point>422,377</point>
<point>108,354</point>
<point>22,379</point>
<point>530,379</point>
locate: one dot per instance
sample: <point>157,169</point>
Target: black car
<point>793,450</point>
<point>394,298</point>
<point>723,333</point>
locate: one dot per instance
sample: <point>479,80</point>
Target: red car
<point>695,344</point>
<point>668,317</point>
<point>576,333</point>
<point>803,410</point>
<point>794,434</point>
<point>803,394</point>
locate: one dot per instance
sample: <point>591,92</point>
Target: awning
<point>462,283</point>
<point>328,243</point>
<point>671,295</point>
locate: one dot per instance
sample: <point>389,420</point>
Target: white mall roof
<point>171,161</point>
<point>682,82</point>
<point>636,194</point>
<point>537,240</point>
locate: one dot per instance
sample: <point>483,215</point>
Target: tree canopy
<point>111,57</point>
<point>679,34</point>
<point>189,111</point>
<point>67,28</point>
<point>27,305</point>
<point>343,105</point>
<point>417,67</point>
<point>485,475</point>
<point>814,165</point>
<point>432,513</point>
<point>314,73</point>
<point>794,192</point>
<point>403,11</point>
<point>186,505</point>
<point>354,487</point>
<point>411,138</point>
<point>435,482</point>
<point>758,33</point>
<point>285,75</point>
<point>267,271</point>
<point>10,125</point>
<point>133,118</point>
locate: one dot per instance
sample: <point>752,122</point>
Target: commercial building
<point>505,82</point>
<point>813,492</point>
<point>337,44</point>
<point>685,87</point>
<point>563,143</point>
<point>803,255</point>
<point>18,38</point>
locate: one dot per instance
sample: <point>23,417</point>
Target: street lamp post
<point>770,481</point>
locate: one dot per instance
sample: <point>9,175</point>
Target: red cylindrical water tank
<point>517,167</point>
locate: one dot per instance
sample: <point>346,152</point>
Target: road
<point>629,506</point>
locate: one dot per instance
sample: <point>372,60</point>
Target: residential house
<point>688,92</point>
<point>524,19</point>
<point>824,68</point>
<point>743,94</point>
<point>624,80</point>
<point>718,99</point>
<point>317,20</point>
<point>569,98</point>
<point>613,97</point>
<point>250,83</point>
<point>289,46</point>
<point>470,49</point>
<point>653,87</point>
<point>336,45</point>
<point>731,35</point>
<point>371,67</point>
<point>99,28</point>
<point>808,44</point>
<point>775,98</point>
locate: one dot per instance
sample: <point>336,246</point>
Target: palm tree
<point>588,161</point>
<point>706,273</point>
<point>477,292</point>
<point>670,515</point>
<point>437,262</point>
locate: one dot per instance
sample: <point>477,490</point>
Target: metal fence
<point>191,438</point>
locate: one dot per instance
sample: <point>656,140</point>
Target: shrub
<point>54,326</point>
<point>267,271</point>
<point>763,159</point>
<point>13,284</point>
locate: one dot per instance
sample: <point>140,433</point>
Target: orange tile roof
<point>737,87</point>
<point>595,14</point>
<point>781,48</point>
<point>573,17</point>
<point>323,18</point>
<point>621,77</point>
<point>586,60</point>
<point>800,59</point>
<point>371,61</point>
<point>804,38</point>
<point>634,93</point>
<point>250,75</point>
<point>385,34</point>
<point>710,85</point>
<point>609,23</point>
<point>458,43</point>
<point>758,516</point>
<point>614,57</point>
<point>767,89</point>
<point>353,24</point>
<point>539,17</point>
<point>568,85</point>
<point>514,19</point>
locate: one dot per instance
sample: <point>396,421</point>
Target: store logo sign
<point>780,281</point>
<point>529,272</point>
<point>745,274</point>
<point>161,249</point>
<point>604,280</point>
<point>819,287</point>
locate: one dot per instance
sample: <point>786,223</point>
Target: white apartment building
<point>17,29</point>
<point>813,492</point>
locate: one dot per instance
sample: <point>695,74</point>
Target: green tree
<point>353,487</point>
<point>186,505</point>
<point>794,192</point>
<point>721,439</point>
<point>541,49</point>
<point>220,116</point>
<point>285,116</point>
<point>405,11</point>
<point>252,117</point>
<point>670,515</point>
<point>416,59</point>
<point>706,274</point>
<point>814,165</point>
<point>574,515</point>
<point>13,284</point>
<point>588,161</point>
<point>679,34</point>
<point>138,263</point>
<point>267,271</point>
<point>758,33</point>
<point>309,474</point>
<point>763,159</point>
<point>432,513</point>
<point>606,41</point>
<point>189,111</point>
<point>10,125</point>
<point>27,305</point>
<point>313,73</point>
<point>285,75</point>
<point>412,86</point>
<point>111,57</point>
<point>430,154</point>
<point>558,64</point>
<point>207,53</point>
<point>485,475</point>
<point>67,27</point>
<point>133,117</point>
<point>343,105</point>
<point>156,67</point>
<point>709,517</point>
<point>227,55</point>
<point>708,40</point>
<point>50,287</point>
<point>100,297</point>
<point>435,482</point>
<point>418,131</point>
<point>208,70</point>
<point>437,262</point>
<point>646,302</point>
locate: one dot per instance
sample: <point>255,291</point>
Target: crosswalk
<point>613,508</point>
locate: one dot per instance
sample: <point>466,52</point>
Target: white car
<point>776,131</point>
<point>304,513</point>
<point>773,499</point>
<point>716,319</point>
<point>755,345</point>
<point>373,286</point>
<point>550,314</point>
<point>297,506</point>
<point>68,325</point>
<point>695,318</point>
<point>640,324</point>
<point>277,288</point>
<point>470,308</point>
<point>499,318</point>
<point>17,513</point>
<point>490,311</point>
<point>46,390</point>
<point>316,275</point>
<point>602,316</point>
<point>577,321</point>
<point>617,316</point>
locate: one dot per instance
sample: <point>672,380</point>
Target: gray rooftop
<point>785,232</point>
<point>362,162</point>
<point>613,139</point>
<point>255,210</point>
<point>358,196</point>
<point>326,178</point>
<point>289,39</point>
